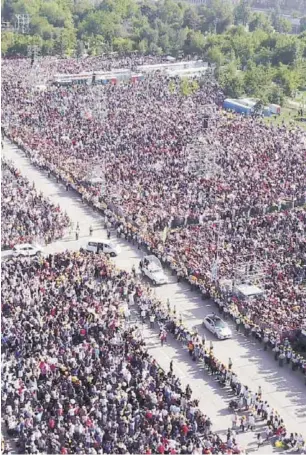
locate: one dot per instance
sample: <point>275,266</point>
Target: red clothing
<point>51,423</point>
<point>185,429</point>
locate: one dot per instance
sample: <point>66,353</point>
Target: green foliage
<point>231,81</point>
<point>290,80</point>
<point>172,87</point>
<point>187,86</point>
<point>194,43</point>
<point>242,12</point>
<point>260,21</point>
<point>191,19</point>
<point>252,53</point>
<point>122,45</point>
<point>258,80</point>
<point>15,44</point>
<point>54,13</point>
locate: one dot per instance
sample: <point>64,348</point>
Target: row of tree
<point>68,26</point>
<point>251,51</point>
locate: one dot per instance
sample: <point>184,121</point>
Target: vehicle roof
<point>23,245</point>
<point>249,290</point>
<point>97,240</point>
<point>152,258</point>
<point>213,316</point>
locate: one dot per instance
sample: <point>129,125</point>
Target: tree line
<point>253,53</point>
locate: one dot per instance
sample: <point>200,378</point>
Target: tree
<point>7,10</point>
<point>258,80</point>
<point>217,17</point>
<point>303,24</point>
<point>276,95</point>
<point>172,87</point>
<point>243,47</point>
<point>17,44</point>
<point>81,9</point>
<point>191,19</point>
<point>143,30</point>
<point>177,40</point>
<point>143,46</point>
<point>242,12</point>
<point>122,45</point>
<point>101,23</point>
<point>54,14</point>
<point>79,49</point>
<point>260,21</point>
<point>284,25</point>
<point>171,13</point>
<point>215,55</point>
<point>7,39</point>
<point>188,86</point>
<point>26,7</point>
<point>96,44</point>
<point>194,43</point>
<point>155,50</point>
<point>275,17</point>
<point>287,50</point>
<point>288,79</point>
<point>41,27</point>
<point>263,56</point>
<point>231,81</point>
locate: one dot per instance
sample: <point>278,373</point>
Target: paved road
<point>284,390</point>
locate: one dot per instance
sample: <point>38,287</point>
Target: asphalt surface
<point>284,389</point>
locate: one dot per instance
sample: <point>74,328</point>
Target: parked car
<point>27,249</point>
<point>103,246</point>
<point>217,326</point>
<point>151,267</point>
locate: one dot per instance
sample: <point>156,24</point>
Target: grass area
<point>289,112</point>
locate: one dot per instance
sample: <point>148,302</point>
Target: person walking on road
<point>90,230</point>
<point>134,271</point>
<point>230,364</point>
<point>152,320</point>
<point>168,305</point>
<point>163,337</point>
<point>238,321</point>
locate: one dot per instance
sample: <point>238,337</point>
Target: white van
<point>103,246</point>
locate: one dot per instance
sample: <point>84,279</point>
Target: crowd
<point>48,67</point>
<point>273,318</point>
<point>142,138</point>
<point>26,215</point>
<point>272,245</point>
<point>76,376</point>
<point>250,407</point>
